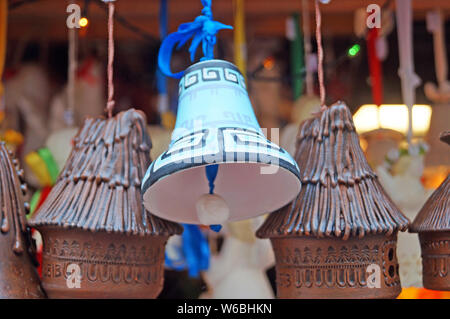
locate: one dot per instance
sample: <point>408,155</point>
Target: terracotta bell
<point>18,274</point>
<point>433,225</point>
<point>338,238</point>
<point>98,239</point>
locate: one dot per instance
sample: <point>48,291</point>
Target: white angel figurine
<point>239,270</point>
<point>400,177</point>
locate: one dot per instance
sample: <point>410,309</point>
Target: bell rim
<point>175,168</point>
<point>235,217</point>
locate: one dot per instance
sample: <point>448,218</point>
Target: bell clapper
<point>211,208</point>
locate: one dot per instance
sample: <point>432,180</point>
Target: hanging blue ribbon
<point>193,254</point>
<point>202,30</point>
<point>211,174</point>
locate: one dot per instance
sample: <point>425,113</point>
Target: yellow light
<point>369,117</point>
<point>394,117</point>
<point>421,116</point>
<point>83,22</point>
<point>366,118</point>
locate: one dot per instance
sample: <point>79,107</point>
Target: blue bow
<point>203,29</point>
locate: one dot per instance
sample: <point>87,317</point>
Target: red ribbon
<point>376,74</point>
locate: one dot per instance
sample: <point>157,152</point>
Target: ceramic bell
<point>433,225</point>
<point>99,240</point>
<point>338,238</point>
<point>216,126</point>
<point>18,274</point>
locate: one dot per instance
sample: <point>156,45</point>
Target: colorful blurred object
<point>422,293</point>
<point>37,165</point>
<point>434,176</point>
<point>12,137</point>
<point>43,165</point>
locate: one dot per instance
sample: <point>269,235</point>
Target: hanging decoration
<point>296,54</point>
<point>441,92</point>
<point>240,45</point>
<point>433,225</point>
<point>64,116</point>
<point>338,237</point>
<point>409,79</point>
<point>308,103</point>
<point>376,72</point>
<point>71,73</point>
<point>18,276</point>
<point>93,223</point>
<point>191,249</point>
<point>219,166</point>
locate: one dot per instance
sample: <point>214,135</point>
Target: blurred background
<point>276,41</point>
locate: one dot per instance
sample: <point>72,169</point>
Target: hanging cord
<point>110,104</point>
<point>71,71</point>
<point>320,55</point>
<point>202,30</point>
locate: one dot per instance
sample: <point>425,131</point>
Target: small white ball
<point>212,209</point>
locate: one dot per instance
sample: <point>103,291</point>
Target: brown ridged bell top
<point>99,187</point>
<point>340,196</point>
<point>12,204</point>
<point>435,213</point>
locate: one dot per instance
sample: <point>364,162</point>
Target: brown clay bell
<point>338,238</point>
<point>99,241</point>
<point>18,274</point>
<point>433,225</point>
